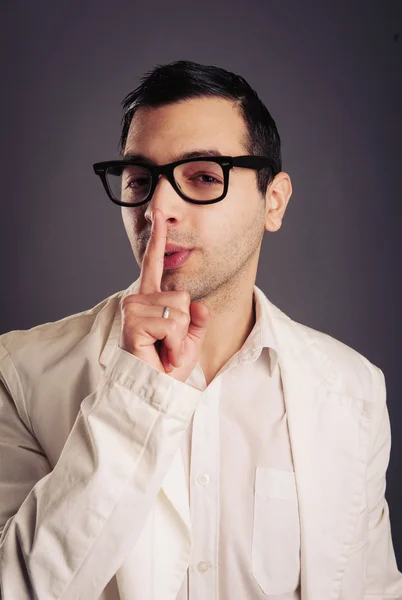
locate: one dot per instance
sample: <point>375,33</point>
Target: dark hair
<point>182,80</point>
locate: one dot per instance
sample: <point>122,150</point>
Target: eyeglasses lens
<point>198,180</point>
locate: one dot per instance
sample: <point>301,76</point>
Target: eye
<point>205,178</point>
<point>139,182</point>
<point>135,177</point>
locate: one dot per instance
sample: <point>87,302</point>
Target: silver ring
<point>166,312</point>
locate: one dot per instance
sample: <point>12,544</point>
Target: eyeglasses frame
<point>226,162</point>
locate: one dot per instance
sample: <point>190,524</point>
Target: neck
<point>233,318</point>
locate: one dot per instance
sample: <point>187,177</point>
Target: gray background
<point>331,77</point>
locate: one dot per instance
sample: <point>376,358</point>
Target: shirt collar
<point>261,336</point>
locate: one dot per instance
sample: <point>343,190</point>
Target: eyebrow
<point>182,156</point>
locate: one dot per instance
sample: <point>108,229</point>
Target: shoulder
<point>47,343</point>
<point>345,369</point>
<point>350,368</point>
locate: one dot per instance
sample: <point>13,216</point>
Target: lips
<point>177,259</point>
<point>173,248</point>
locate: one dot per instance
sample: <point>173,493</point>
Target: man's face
<point>226,236</point>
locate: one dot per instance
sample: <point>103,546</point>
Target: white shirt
<point>238,459</point>
<point>93,493</point>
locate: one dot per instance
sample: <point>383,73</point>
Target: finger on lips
<point>153,261</point>
<point>150,287</point>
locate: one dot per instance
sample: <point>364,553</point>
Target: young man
<point>185,439</point>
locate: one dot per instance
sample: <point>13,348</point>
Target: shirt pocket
<point>275,561</point>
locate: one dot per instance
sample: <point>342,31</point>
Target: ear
<point>276,200</point>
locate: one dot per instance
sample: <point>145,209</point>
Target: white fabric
<point>94,499</point>
<point>242,493</point>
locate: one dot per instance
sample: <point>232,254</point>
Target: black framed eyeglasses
<point>201,180</point>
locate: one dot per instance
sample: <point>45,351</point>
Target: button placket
<point>204,496</point>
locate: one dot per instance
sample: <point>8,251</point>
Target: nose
<point>166,199</point>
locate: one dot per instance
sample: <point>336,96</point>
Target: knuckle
<point>136,346</point>
<point>124,302</point>
<point>128,300</point>
<point>184,319</point>
<point>152,257</point>
<point>128,309</point>
<point>172,324</point>
<point>129,320</point>
<point>185,297</point>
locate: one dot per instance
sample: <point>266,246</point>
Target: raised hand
<point>181,335</point>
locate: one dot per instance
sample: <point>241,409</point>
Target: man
<point>185,439</point>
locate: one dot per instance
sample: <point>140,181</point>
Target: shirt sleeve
<point>109,473</point>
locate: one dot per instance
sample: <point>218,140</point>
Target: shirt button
<point>203,566</point>
<point>203,479</point>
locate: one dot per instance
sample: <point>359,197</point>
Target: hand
<point>170,345</point>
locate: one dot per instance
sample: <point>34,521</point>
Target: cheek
<point>131,221</point>
<point>214,227</point>
<point>238,214</point>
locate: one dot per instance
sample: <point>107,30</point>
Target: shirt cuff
<point>160,390</point>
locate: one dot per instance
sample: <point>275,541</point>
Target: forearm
<point>108,475</point>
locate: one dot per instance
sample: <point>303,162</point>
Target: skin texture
<point>226,236</point>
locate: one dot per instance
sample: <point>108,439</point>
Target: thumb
<point>200,319</point>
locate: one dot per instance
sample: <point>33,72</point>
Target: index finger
<point>152,264</point>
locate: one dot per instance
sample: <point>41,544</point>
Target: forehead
<point>167,131</point>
